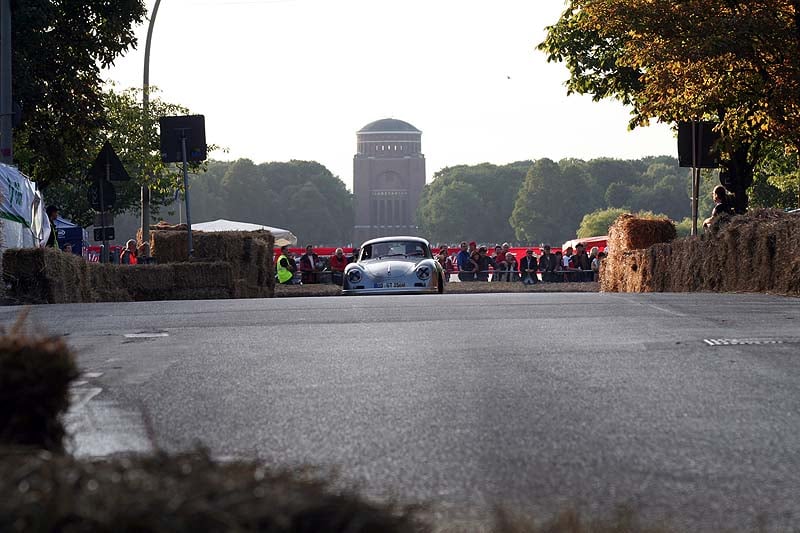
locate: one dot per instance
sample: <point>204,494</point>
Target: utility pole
<point>6,110</point>
<point>146,125</point>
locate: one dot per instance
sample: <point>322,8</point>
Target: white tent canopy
<point>282,236</point>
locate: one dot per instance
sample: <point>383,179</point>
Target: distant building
<point>388,177</point>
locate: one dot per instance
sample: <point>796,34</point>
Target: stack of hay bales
<point>45,275</point>
<point>248,252</point>
<point>756,252</point>
<point>627,268</point>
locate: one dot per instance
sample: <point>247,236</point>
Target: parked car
<point>390,265</point>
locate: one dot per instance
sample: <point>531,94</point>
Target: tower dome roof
<point>388,125</point>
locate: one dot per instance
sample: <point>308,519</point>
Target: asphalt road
<point>535,401</point>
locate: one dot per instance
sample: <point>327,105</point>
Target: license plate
<point>390,285</point>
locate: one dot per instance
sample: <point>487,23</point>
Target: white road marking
<point>92,375</point>
<point>145,335</point>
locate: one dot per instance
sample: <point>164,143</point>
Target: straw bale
<point>756,252</point>
<point>186,493</point>
<point>45,275</point>
<point>35,375</point>
<point>629,232</point>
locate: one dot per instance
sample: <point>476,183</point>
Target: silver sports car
<point>390,265</point>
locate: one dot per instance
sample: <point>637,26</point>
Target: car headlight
<point>354,276</point>
<point>424,272</point>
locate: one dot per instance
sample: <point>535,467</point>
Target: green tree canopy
<point>302,196</point>
<point>59,49</point>
<point>733,61</point>
<point>551,202</point>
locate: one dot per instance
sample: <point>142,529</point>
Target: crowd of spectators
<point>470,262</point>
<point>466,262</point>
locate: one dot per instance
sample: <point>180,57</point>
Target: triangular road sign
<point>108,165</point>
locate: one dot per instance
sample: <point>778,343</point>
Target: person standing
<point>52,215</point>
<point>483,263</point>
<point>337,263</point>
<point>581,262</point>
<point>283,267</point>
<point>466,269</point>
<point>309,265</point>
<point>528,267</point>
<point>548,264</point>
<point>128,255</point>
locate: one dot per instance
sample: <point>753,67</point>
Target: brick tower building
<point>388,177</point>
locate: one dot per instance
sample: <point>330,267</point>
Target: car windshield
<point>394,249</point>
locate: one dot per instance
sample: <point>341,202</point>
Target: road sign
<point>701,141</point>
<point>103,219</point>
<point>108,166</point>
<point>104,234</point>
<point>108,199</point>
<point>174,130</point>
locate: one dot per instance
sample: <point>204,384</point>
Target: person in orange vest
<point>128,255</point>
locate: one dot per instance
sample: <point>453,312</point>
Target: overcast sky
<point>295,79</point>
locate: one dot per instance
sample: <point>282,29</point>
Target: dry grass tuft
<point>35,374</point>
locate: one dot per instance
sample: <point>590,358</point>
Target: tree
<point>486,220</point>
<point>446,211</point>
<point>123,128</point>
<point>742,69</point>
<point>551,202</point>
<point>59,49</point>
<point>299,195</point>
<point>597,223</point>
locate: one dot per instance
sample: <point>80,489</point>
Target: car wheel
<point>441,284</point>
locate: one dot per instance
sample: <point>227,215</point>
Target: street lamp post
<point>146,125</point>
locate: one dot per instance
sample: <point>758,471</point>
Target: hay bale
<point>748,253</point>
<point>35,374</point>
<point>183,493</point>
<point>249,253</point>
<point>45,275</point>
<point>629,232</point>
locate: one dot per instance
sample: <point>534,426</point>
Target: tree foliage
<point>139,153</point>
<point>59,49</point>
<point>737,62</point>
<point>475,200</point>
<point>302,196</point>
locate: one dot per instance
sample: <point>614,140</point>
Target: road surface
<point>686,407</point>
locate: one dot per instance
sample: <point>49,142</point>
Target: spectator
<point>566,260</point>
<point>528,267</point>
<point>466,267</point>
<point>337,264</point>
<point>596,265</point>
<point>721,205</point>
<point>52,215</point>
<point>499,262</point>
<point>483,262</point>
<point>309,266</point>
<point>511,268</point>
<point>548,264</point>
<point>450,264</point>
<point>580,261</point>
<point>353,258</point>
<point>128,254</point>
<point>559,272</point>
<point>68,248</point>
<point>284,269</point>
